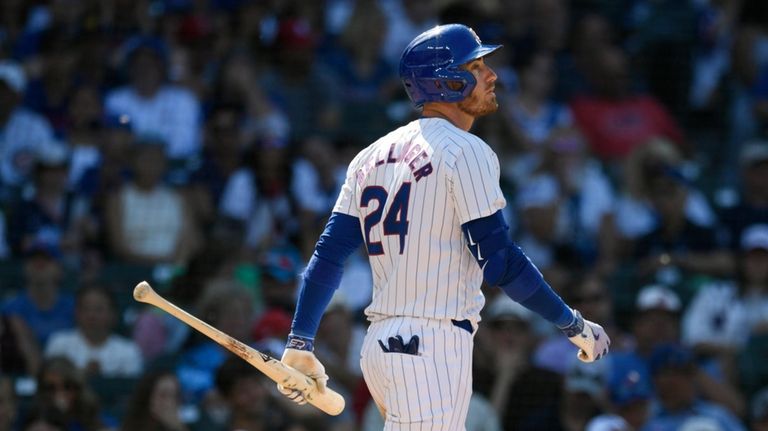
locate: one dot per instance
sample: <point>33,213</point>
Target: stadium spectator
<point>47,214</point>
<point>84,131</point>
<point>222,172</point>
<point>585,218</point>
<point>751,206</point>
<point>275,220</point>
<point>156,107</point>
<point>530,112</point>
<point>42,305</point>
<point>316,181</point>
<point>405,20</point>
<point>370,84</point>
<point>61,387</point>
<point>749,61</point>
<point>251,401</point>
<point>657,322</point>
<point>504,371</point>
<point>111,169</point>
<point>657,33</point>
<point>581,397</point>
<point>538,203</point>
<point>239,84</point>
<point>23,130</point>
<point>147,221</point>
<point>614,120</point>
<point>280,268</point>
<point>678,247</point>
<point>724,314</point>
<point>158,334</point>
<point>588,291</point>
<point>155,404</point>
<point>629,393</point>
<point>656,319</point>
<point>634,213</point>
<point>674,372</point>
<point>299,79</point>
<point>591,32</point>
<point>93,345</point>
<point>51,87</point>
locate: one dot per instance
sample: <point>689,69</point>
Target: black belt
<point>463,324</point>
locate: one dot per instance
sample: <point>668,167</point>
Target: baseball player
<point>425,202</point>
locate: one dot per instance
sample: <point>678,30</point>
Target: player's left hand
<point>305,362</point>
<point>589,337</point>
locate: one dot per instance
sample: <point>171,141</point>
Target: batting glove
<point>589,337</point>
<point>298,354</point>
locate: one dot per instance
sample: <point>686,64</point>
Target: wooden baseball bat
<point>329,401</point>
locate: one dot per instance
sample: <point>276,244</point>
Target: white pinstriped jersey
<point>412,190</point>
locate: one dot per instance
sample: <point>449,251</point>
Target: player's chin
<point>489,107</point>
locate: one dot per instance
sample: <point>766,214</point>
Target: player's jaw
<point>481,102</point>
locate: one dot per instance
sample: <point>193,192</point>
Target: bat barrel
<point>330,402</point>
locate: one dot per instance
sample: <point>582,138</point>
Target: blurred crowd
<point>200,145</point>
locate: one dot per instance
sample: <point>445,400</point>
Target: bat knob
<point>141,290</point>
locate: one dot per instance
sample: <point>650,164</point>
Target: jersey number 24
<point>396,220</point>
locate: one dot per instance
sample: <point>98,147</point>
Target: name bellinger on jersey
<point>422,158</point>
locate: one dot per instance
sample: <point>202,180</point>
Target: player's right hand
<point>307,363</point>
<point>590,338</point>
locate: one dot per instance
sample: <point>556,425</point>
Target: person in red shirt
<point>615,120</point>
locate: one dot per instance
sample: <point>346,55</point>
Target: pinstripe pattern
<point>435,276</point>
<point>435,279</point>
<point>426,392</point>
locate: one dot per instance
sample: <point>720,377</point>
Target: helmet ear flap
<point>444,86</point>
<point>455,85</point>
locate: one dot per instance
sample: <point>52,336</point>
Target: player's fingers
<point>297,397</point>
<point>292,394</point>
<point>322,382</point>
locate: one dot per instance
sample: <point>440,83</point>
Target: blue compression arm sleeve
<point>341,237</point>
<point>505,265</point>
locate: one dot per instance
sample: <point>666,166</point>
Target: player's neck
<point>449,113</point>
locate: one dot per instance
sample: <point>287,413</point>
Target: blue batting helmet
<point>429,66</point>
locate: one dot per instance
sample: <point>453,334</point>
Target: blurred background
<point>200,145</point>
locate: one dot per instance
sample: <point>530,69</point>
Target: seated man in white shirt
<point>93,345</point>
<point>156,107</point>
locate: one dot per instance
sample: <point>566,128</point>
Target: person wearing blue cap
<point>674,370</point>
<point>629,392</point>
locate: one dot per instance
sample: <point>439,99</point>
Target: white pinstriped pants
<point>425,392</point>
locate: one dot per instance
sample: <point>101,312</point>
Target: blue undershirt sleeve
<point>505,265</point>
<point>341,237</point>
